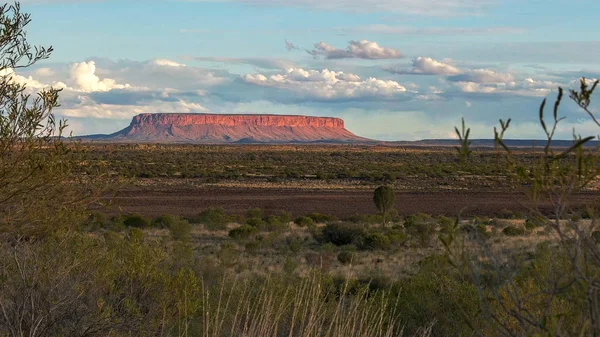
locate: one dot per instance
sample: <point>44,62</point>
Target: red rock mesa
<point>248,128</point>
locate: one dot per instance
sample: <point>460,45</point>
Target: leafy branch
<point>464,150</point>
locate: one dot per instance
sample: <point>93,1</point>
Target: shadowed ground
<point>190,201</point>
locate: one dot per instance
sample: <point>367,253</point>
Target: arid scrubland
<point>72,263</point>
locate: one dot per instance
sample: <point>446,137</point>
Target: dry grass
<point>270,311</point>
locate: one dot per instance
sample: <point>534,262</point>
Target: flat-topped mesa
<point>187,119</point>
<point>234,128</point>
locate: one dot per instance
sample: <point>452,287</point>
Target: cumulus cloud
<point>526,87</point>
<point>29,82</point>
<point>167,63</point>
<point>84,76</point>
<point>362,49</point>
<point>427,66</point>
<point>87,107</point>
<point>485,76</point>
<point>327,85</point>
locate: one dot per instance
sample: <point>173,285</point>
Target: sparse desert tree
<point>384,199</point>
<point>39,190</point>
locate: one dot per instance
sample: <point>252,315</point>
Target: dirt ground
<point>187,201</point>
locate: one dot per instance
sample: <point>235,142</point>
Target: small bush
<point>513,231</point>
<point>345,257</point>
<point>285,217</point>
<point>135,221</point>
<point>533,222</point>
<point>419,218</point>
<point>321,218</point>
<point>243,232</point>
<point>254,213</point>
<point>341,233</point>
<point>273,224</point>
<point>479,230</point>
<point>213,218</point>
<point>255,222</point>
<point>397,237</point>
<point>303,221</point>
<point>180,229</point>
<point>375,241</point>
<point>370,219</point>
<point>424,232</point>
<point>164,221</point>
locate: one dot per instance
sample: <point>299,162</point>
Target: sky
<point>392,69</point>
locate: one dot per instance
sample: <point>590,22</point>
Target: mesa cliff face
<point>221,128</point>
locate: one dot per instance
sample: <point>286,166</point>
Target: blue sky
<point>393,69</point>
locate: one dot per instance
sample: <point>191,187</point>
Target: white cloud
<point>526,87</point>
<point>485,76</point>
<point>326,84</point>
<point>427,66</point>
<point>84,75</point>
<point>30,83</point>
<point>362,49</point>
<point>86,107</point>
<point>44,72</point>
<point>166,63</point>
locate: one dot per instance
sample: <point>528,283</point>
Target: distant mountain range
<point>487,143</point>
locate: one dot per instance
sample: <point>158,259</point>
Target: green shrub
<point>303,221</point>
<point>164,221</point>
<point>370,219</point>
<point>424,232</point>
<point>243,232</point>
<point>513,231</point>
<point>180,229</point>
<point>376,241</point>
<point>322,218</point>
<point>446,224</point>
<point>397,237</point>
<point>346,257</point>
<point>255,222</point>
<point>341,233</point>
<point>134,234</point>
<point>136,221</point>
<point>533,222</point>
<point>419,218</point>
<point>285,217</point>
<point>228,255</point>
<point>273,224</point>
<point>213,218</point>
<point>254,213</point>
<point>479,230</point>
